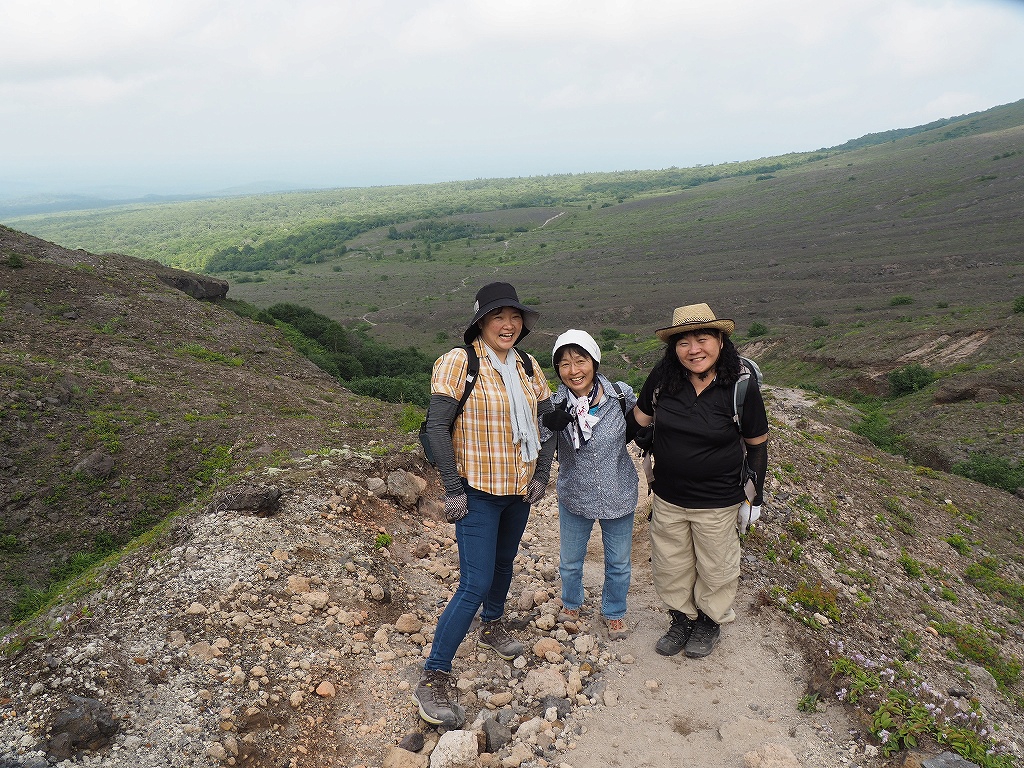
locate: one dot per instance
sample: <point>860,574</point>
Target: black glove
<point>535,491</point>
<point>556,420</point>
<point>645,437</point>
<point>455,507</point>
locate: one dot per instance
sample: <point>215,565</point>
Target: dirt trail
<point>742,699</point>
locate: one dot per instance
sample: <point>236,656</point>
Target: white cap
<point>580,339</point>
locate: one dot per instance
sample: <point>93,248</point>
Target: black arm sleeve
<point>547,448</point>
<point>631,426</point>
<point>757,460</point>
<point>440,415</point>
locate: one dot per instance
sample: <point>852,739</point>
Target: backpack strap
<point>620,397</point>
<point>473,370</point>
<point>739,394</point>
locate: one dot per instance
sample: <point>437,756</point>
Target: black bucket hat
<point>493,296</point>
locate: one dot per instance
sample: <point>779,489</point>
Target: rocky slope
<point>283,620</point>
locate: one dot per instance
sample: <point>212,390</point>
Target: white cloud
<point>355,92</point>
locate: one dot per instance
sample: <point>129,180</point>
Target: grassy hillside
<point>840,266</point>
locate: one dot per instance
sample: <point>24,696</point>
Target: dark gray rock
<point>263,501</point>
<point>202,287</point>
<point>84,724</point>
<point>402,487</point>
<point>97,465</point>
<point>412,742</point>
<point>497,734</point>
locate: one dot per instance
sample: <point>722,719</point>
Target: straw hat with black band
<point>494,296</point>
<point>694,317</point>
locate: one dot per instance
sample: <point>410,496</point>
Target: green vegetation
<point>973,644</point>
<point>875,426</point>
<point>986,577</point>
<point>281,231</point>
<point>366,366</point>
<point>910,566</point>
<point>959,543</point>
<point>1018,304</point>
<point>757,329</point>
<point>909,379</point>
<point>817,598</point>
<point>30,600</point>
<point>996,471</point>
<point>904,712</point>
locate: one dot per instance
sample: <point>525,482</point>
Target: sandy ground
<point>715,711</point>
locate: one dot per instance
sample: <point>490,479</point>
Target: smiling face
<point>698,351</point>
<point>576,370</point>
<point>500,328</point>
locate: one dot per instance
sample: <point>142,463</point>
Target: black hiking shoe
<point>494,635</point>
<point>434,695</point>
<point>704,637</point>
<point>673,641</point>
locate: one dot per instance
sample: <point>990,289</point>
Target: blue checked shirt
<point>599,481</point>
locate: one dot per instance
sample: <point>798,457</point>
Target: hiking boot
<point>494,635</point>
<point>569,614</point>
<point>617,629</point>
<point>704,637</point>
<point>673,641</point>
<point>433,694</point>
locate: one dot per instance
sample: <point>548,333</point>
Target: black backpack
<point>471,373</point>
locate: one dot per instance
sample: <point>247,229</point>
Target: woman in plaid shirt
<point>493,467</point>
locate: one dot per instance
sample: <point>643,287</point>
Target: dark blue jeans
<point>488,538</point>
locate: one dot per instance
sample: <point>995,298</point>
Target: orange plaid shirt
<point>484,452</point>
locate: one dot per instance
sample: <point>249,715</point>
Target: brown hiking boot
<point>617,629</point>
<point>434,694</point>
<point>495,635</point>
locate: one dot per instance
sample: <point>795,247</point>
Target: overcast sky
<point>198,95</point>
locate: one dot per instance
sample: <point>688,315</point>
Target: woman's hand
<point>748,515</point>
<point>535,491</point>
<point>455,507</point>
<point>556,420</point>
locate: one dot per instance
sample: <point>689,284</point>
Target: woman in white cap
<point>703,458</point>
<point>493,467</point>
<point>597,479</point>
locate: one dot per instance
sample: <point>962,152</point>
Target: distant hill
<point>844,265</point>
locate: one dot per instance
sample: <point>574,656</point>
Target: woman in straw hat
<point>493,466</point>
<point>700,468</point>
<point>597,480</point>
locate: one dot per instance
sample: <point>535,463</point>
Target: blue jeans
<point>617,536</point>
<point>488,538</point>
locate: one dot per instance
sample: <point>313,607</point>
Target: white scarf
<point>579,409</point>
<point>521,413</point>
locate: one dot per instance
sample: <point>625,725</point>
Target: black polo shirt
<point>697,454</point>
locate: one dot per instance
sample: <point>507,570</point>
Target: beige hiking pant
<point>695,558</point>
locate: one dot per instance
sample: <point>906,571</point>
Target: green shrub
<point>911,567</point>
<point>875,427</point>
<point>411,418</point>
<point>817,598</point>
<point>974,645</point>
<point>1018,304</point>
<point>819,322</point>
<point>899,301</point>
<point>994,471</point>
<point>909,379</point>
<point>757,329</point>
<point>959,543</point>
<point>984,575</point>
